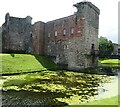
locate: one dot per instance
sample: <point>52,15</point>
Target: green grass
<point>70,87</point>
<point>110,62</point>
<point>19,63</point>
<point>107,101</point>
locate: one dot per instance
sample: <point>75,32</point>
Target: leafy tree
<point>105,46</point>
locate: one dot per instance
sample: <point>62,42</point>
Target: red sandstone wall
<point>77,23</point>
<point>65,23</point>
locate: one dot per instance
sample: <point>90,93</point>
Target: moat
<point>58,88</point>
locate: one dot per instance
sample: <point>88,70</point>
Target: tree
<point>105,46</point>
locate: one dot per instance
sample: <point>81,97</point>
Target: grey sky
<point>46,10</point>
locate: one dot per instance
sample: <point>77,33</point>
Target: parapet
<point>81,4</point>
<point>8,18</point>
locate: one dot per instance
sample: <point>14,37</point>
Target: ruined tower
<point>72,40</point>
<point>38,32</point>
<point>90,14</point>
<point>16,34</point>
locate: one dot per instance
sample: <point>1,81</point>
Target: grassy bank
<point>107,101</point>
<point>110,62</point>
<point>19,63</point>
<point>72,88</point>
<point>98,103</point>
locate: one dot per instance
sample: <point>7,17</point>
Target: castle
<point>70,41</point>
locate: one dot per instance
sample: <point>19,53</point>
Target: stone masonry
<point>16,34</point>
<point>38,30</point>
<point>71,41</point>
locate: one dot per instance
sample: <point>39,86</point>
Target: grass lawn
<point>107,101</point>
<point>19,63</point>
<point>110,62</point>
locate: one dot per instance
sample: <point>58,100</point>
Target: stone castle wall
<point>91,26</point>
<point>16,35</point>
<point>70,41</point>
<point>64,39</point>
<point>73,48</point>
<point>38,32</point>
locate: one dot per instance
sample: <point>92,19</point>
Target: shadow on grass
<point>46,62</point>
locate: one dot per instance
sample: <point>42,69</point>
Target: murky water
<point>59,89</point>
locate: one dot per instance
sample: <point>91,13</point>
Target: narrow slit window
<point>72,30</point>
<point>64,32</point>
<point>92,47</point>
<point>49,34</point>
<point>76,20</point>
<point>56,33</point>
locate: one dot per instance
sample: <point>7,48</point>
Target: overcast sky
<point>47,10</point>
